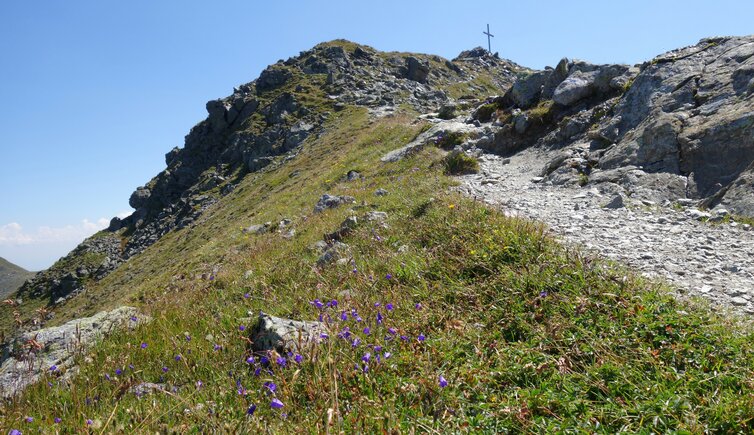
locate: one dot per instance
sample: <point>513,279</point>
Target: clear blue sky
<point>94,93</point>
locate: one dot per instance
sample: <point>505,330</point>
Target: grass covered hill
<point>443,315</point>
<point>11,277</point>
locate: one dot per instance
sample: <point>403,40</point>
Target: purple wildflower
<point>247,296</point>
<point>131,366</point>
<point>53,368</point>
<point>164,369</point>
<point>356,342</point>
<point>134,319</point>
<point>359,319</point>
<point>317,303</point>
<point>118,372</point>
<point>343,316</point>
<point>378,348</point>
<point>379,318</point>
<point>366,357</point>
<point>404,338</point>
<point>89,422</point>
<point>178,357</point>
<point>29,419</point>
<point>264,360</point>
<point>257,371</point>
<point>355,271</point>
<point>58,420</point>
<point>334,303</point>
<point>271,386</point>
<point>323,336</point>
<point>107,376</point>
<point>241,328</point>
<point>392,331</point>
<point>188,337</point>
<point>251,409</point>
<point>389,307</point>
<point>367,331</point>
<point>418,306</point>
<point>389,276</point>
<point>387,355</point>
<point>281,361</point>
<point>543,294</point>
<point>298,358</point>
<point>277,404</point>
<point>421,337</point>
<point>250,360</point>
<point>443,383</point>
<point>376,304</point>
<point>143,345</point>
<point>199,384</point>
<point>217,347</point>
<point>14,432</point>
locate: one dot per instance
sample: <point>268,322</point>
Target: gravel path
<point>697,258</point>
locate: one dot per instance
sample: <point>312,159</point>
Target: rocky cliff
<point>680,126</point>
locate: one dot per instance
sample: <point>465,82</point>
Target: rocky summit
<point>373,241</point>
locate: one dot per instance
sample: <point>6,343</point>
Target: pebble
<point>694,256</point>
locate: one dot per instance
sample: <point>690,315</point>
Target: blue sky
<point>94,93</point>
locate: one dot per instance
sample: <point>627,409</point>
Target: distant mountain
<point>11,277</point>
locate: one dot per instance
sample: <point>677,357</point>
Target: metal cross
<point>489,35</point>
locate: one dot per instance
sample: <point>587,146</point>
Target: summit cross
<point>489,35</point>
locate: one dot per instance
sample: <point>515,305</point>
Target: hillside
<point>11,277</point>
<point>327,191</point>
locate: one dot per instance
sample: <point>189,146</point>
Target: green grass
<point>531,336</point>
<point>458,163</point>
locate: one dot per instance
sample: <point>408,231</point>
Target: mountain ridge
<point>12,277</point>
<point>334,203</point>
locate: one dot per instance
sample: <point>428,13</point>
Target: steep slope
<point>262,123</point>
<point>11,277</point>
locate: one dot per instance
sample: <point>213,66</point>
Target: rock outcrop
<point>51,351</point>
<point>680,125</point>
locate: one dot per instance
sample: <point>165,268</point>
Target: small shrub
<point>458,163</point>
<point>450,139</point>
<point>484,112</point>
<point>542,113</point>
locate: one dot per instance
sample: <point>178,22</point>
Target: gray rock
<point>526,92</point>
<point>285,335</point>
<point>381,192</point>
<point>332,201</point>
<point>417,70</point>
<point>273,77</point>
<point>140,197</point>
<point>447,111</point>
<point>333,252</point>
<point>615,203</point>
<point>59,345</point>
<point>376,216</point>
<point>575,87</point>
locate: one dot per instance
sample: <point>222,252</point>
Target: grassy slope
<point>530,336</point>
<point>11,277</point>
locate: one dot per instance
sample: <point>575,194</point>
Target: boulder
<point>575,87</point>
<point>273,77</point>
<point>57,348</point>
<point>332,201</point>
<point>139,198</point>
<point>284,335</point>
<point>526,92</point>
<point>417,70</point>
